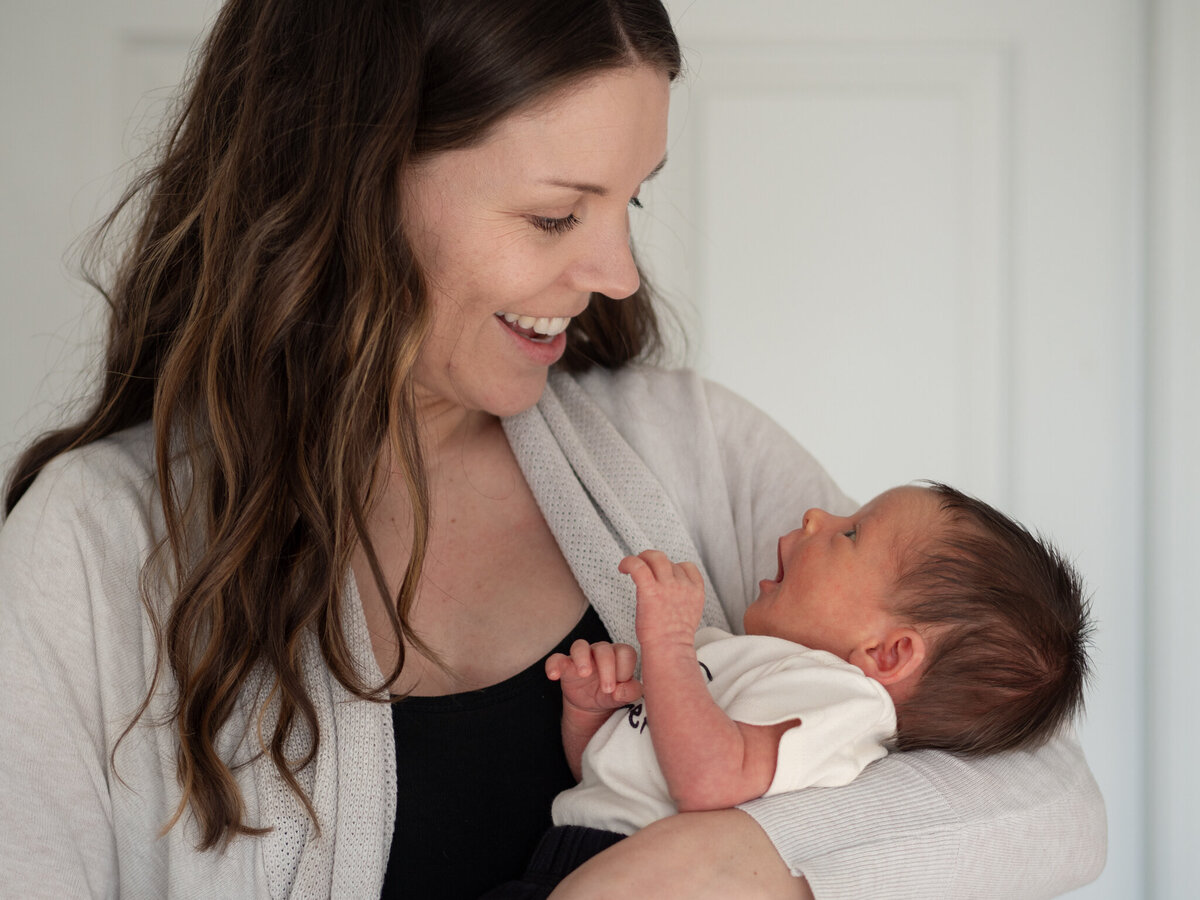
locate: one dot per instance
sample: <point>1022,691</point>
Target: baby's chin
<point>750,624</point>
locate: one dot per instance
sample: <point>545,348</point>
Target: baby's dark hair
<point>1007,661</point>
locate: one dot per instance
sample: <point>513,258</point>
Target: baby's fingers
<point>605,657</point>
<point>692,572</point>
<point>582,658</point>
<point>628,689</point>
<point>614,672</point>
<point>636,568</point>
<point>659,563</point>
<point>627,692</point>
<point>625,658</point>
<point>556,666</point>
<point>648,568</point>
<point>577,665</point>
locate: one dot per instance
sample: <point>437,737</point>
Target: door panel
<point>910,231</point>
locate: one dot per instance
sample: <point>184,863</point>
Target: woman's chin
<point>518,395</point>
<point>507,392</point>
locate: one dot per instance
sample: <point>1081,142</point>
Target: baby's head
<point>977,629</point>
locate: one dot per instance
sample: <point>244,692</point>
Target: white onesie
<point>846,719</point>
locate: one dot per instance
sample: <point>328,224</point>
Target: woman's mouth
<point>540,329</point>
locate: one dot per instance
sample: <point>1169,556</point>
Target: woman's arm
<point>54,774</point>
<point>1023,824</point>
<point>691,856</point>
<point>894,850</point>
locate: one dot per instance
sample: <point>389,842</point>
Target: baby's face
<point>837,574</point>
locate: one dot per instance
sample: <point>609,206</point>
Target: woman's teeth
<point>536,327</point>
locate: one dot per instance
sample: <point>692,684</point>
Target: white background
<point>944,239</point>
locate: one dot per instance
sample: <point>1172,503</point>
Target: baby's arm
<point>709,760</point>
<point>596,679</point>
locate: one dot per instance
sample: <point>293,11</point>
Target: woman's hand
<point>690,856</point>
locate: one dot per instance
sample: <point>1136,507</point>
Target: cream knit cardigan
<point>618,463</point>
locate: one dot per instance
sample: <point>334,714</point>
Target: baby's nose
<point>813,519</point>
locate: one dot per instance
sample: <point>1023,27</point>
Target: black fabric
<point>476,773</point>
<point>562,850</point>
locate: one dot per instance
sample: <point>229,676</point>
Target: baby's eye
<point>852,534</point>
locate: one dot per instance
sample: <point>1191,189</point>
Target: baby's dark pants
<point>562,850</point>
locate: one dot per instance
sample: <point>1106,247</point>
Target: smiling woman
<point>373,432</point>
<point>517,234</point>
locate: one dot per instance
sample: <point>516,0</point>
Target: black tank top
<point>476,773</point>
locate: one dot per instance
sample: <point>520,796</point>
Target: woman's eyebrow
<point>582,187</point>
<point>596,189</point>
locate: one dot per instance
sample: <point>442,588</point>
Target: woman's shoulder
<point>73,549</point>
<point>677,402</point>
<point>635,379</point>
<point>677,420</point>
<point>98,486</point>
<point>119,462</point>
<point>637,389</point>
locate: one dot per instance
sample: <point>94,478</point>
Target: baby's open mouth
<point>542,329</point>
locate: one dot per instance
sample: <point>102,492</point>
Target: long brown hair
<point>268,313</point>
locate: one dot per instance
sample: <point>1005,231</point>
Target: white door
<point>912,230</point>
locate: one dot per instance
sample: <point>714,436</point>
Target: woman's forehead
<point>612,121</point>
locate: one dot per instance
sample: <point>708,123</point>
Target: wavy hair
<point>267,314</point>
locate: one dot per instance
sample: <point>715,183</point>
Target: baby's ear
<point>895,656</point>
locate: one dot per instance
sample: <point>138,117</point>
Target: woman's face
<point>515,234</point>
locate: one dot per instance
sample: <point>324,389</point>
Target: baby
<point>927,619</point>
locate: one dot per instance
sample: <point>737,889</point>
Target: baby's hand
<point>670,597</point>
<point>596,677</point>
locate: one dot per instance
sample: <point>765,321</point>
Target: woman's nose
<point>608,267</point>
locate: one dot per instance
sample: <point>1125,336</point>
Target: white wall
<point>1172,714</point>
<point>82,86</point>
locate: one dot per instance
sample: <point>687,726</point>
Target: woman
<point>331,466</point>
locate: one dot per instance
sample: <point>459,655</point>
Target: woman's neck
<point>446,429</point>
<point>495,590</point>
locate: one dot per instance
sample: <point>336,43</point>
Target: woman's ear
<point>892,658</point>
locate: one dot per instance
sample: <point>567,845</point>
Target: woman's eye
<point>555,226</point>
<point>635,203</point>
